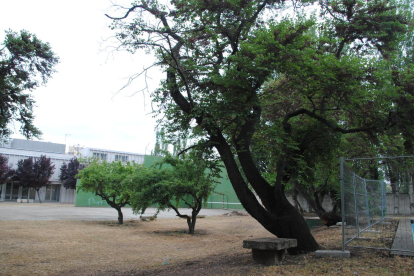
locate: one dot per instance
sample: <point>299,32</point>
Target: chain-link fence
<point>364,205</point>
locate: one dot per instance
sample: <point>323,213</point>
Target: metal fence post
<point>383,200</point>
<point>367,203</point>
<point>341,165</point>
<point>356,203</point>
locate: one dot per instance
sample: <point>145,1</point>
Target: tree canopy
<point>6,170</point>
<point>68,173</point>
<point>333,74</point>
<point>35,173</point>
<point>189,179</point>
<point>25,63</point>
<point>106,180</point>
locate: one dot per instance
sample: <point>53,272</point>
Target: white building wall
<point>112,156</point>
<point>67,195</point>
<point>15,157</point>
<point>57,159</point>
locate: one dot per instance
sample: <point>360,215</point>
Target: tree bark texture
<point>191,221</point>
<point>277,215</point>
<point>120,216</point>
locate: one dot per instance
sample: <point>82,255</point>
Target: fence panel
<point>363,204</point>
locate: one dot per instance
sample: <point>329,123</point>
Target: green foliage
<point>25,63</point>
<point>107,180</point>
<point>6,170</point>
<point>333,97</point>
<point>276,97</point>
<point>34,172</point>
<point>190,180</point>
<point>68,173</point>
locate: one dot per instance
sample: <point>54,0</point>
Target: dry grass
<point>162,247</point>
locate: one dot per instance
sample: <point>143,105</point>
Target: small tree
<point>107,181</point>
<point>6,170</point>
<point>34,174</point>
<point>68,173</point>
<point>190,180</point>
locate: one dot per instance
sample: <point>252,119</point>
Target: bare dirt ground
<point>162,247</point>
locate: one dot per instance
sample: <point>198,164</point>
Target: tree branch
<point>324,121</point>
<point>126,15</point>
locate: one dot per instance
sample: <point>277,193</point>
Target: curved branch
<point>205,144</point>
<point>126,15</point>
<point>178,212</point>
<point>332,126</point>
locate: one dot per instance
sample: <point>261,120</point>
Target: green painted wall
<point>223,198</point>
<point>149,160</point>
<point>89,200</point>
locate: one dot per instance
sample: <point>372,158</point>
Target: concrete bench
<point>269,251</point>
<point>145,218</point>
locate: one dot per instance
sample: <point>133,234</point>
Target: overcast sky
<point>80,103</point>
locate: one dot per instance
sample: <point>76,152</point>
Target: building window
<point>100,156</point>
<point>121,158</point>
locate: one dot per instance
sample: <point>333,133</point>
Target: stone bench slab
<point>269,251</point>
<point>270,243</point>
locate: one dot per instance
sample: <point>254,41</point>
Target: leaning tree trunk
<point>277,215</point>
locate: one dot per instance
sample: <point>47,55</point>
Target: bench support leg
<point>268,257</point>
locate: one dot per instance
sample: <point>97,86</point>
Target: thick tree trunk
<point>278,216</point>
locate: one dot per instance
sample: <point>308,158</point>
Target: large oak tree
<point>217,56</point>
